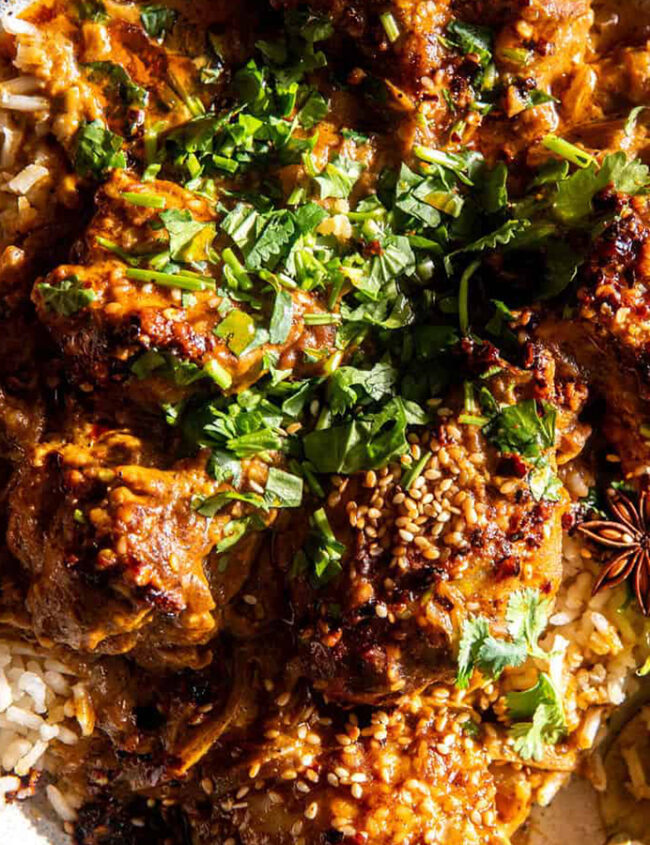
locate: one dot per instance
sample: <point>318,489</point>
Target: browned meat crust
<point>459,541</point>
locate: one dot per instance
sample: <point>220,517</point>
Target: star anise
<point>628,532</point>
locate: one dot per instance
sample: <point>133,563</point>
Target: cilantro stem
<point>463,296</point>
<point>116,250</point>
<point>218,374</point>
<point>568,151</point>
<point>390,26</point>
<point>145,200</point>
<point>414,472</point>
<point>237,268</point>
<point>333,363</point>
<point>169,280</point>
<point>472,419</point>
<point>321,319</point>
<point>314,484</point>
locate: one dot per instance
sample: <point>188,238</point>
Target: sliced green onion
<point>151,172</point>
<point>321,319</point>
<point>414,472</point>
<point>463,296</point>
<point>169,280</point>
<point>226,164</point>
<point>568,151</point>
<point>517,55</point>
<point>145,200</point>
<point>390,26</point>
<point>218,374</point>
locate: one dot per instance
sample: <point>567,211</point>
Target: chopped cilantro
<point>526,615</point>
<point>339,177</point>
<point>544,722</point>
<point>92,10</point>
<point>67,297</point>
<point>97,150</point>
<point>157,20</point>
<point>283,490</point>
<point>119,79</point>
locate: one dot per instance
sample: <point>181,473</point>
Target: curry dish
<point>324,416</point>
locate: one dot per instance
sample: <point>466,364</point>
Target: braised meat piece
<point>609,337</point>
<point>126,322</point>
<point>104,525</point>
<point>465,530</point>
<point>405,55</point>
<point>370,776</point>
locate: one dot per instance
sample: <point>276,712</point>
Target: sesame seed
<point>312,811</point>
<point>250,599</point>
<point>357,791</point>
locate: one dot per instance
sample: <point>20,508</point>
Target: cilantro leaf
<point>474,633</point>
<point>502,236</point>
<point>183,229</point>
<point>120,80</point>
<point>339,177</point>
<point>368,442</point>
<point>395,259</point>
<point>472,38</point>
<point>157,20</point>
<point>168,366</point>
<point>97,150</point>
<point>322,554</point>
<point>238,329</point>
<point>544,483</point>
<point>527,616</point>
<point>573,200</point>
<point>223,467</point>
<point>348,385</point>
<point>66,298</point>
<point>309,216</point>
<point>520,428</point>
<point>494,190</point>
<point>282,317</point>
<point>495,655</point>
<point>411,192</point>
<point>274,241</point>
<point>541,707</point>
<point>479,649</point>
<point>283,490</point>
<point>313,110</point>
<point>211,505</point>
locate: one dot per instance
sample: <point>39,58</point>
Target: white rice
<point>35,694</point>
<point>13,25</point>
<point>60,804</point>
<point>24,181</point>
